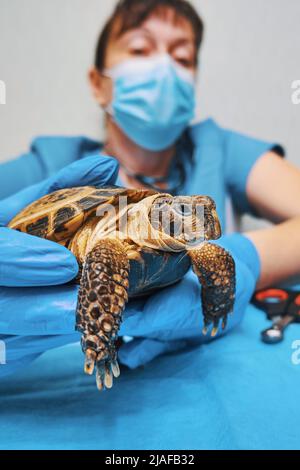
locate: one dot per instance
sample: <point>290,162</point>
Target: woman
<point>144,79</point>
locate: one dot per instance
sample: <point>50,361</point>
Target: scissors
<point>282,306</point>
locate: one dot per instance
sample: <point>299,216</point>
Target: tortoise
<point>129,243</point>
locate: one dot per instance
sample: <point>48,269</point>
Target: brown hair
<point>130,14</point>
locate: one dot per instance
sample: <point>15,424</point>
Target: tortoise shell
<point>113,268</point>
<point>59,215</point>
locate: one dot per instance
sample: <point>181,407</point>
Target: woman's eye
<point>137,51</point>
<point>185,62</point>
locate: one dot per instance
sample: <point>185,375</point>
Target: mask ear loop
<point>109,108</point>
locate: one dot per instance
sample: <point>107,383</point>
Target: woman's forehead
<point>163,24</point>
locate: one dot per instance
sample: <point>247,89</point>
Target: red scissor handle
<point>276,294</point>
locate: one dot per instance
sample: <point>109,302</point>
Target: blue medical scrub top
<point>217,163</point>
<point>233,393</point>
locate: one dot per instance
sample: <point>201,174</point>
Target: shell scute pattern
<point>59,215</point>
<point>112,269</point>
<point>38,228</point>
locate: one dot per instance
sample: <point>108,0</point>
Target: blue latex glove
<point>172,318</point>
<point>30,261</point>
<point>166,321</point>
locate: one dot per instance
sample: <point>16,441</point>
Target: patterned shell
<point>57,216</point>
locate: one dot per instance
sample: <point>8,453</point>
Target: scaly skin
<point>69,217</point>
<point>101,301</point>
<point>215,269</point>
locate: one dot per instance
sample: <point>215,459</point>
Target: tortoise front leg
<point>101,301</point>
<point>215,269</point>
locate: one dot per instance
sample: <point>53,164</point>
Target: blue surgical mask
<point>153,100</point>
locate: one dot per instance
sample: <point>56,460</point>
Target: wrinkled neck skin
<point>131,225</point>
<point>133,158</point>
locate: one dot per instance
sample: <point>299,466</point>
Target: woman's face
<point>157,35</point>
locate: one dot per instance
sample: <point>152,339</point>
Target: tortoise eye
<point>183,209</point>
<point>162,201</point>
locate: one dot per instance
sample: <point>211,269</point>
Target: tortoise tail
<point>102,296</point>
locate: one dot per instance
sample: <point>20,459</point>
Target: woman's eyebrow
<point>135,32</point>
<point>180,39</point>
<point>184,41</point>
<point>130,34</point>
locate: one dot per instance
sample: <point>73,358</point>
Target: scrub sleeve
<point>222,162</point>
<point>47,155</point>
<point>242,153</point>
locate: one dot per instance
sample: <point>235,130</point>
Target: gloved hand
<point>160,323</point>
<point>30,261</point>
<point>172,318</point>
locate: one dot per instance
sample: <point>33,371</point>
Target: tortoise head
<point>169,223</point>
<point>187,220</point>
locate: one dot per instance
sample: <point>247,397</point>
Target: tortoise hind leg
<point>101,301</point>
<point>215,269</point>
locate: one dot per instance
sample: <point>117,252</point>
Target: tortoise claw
<point>103,355</point>
<point>214,331</point>
<point>216,326</point>
<point>215,269</point>
<point>101,300</point>
<point>100,376</point>
<point>224,322</point>
<point>205,330</point>
<point>90,358</point>
<point>105,374</point>
<point>108,377</point>
<point>115,369</point>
